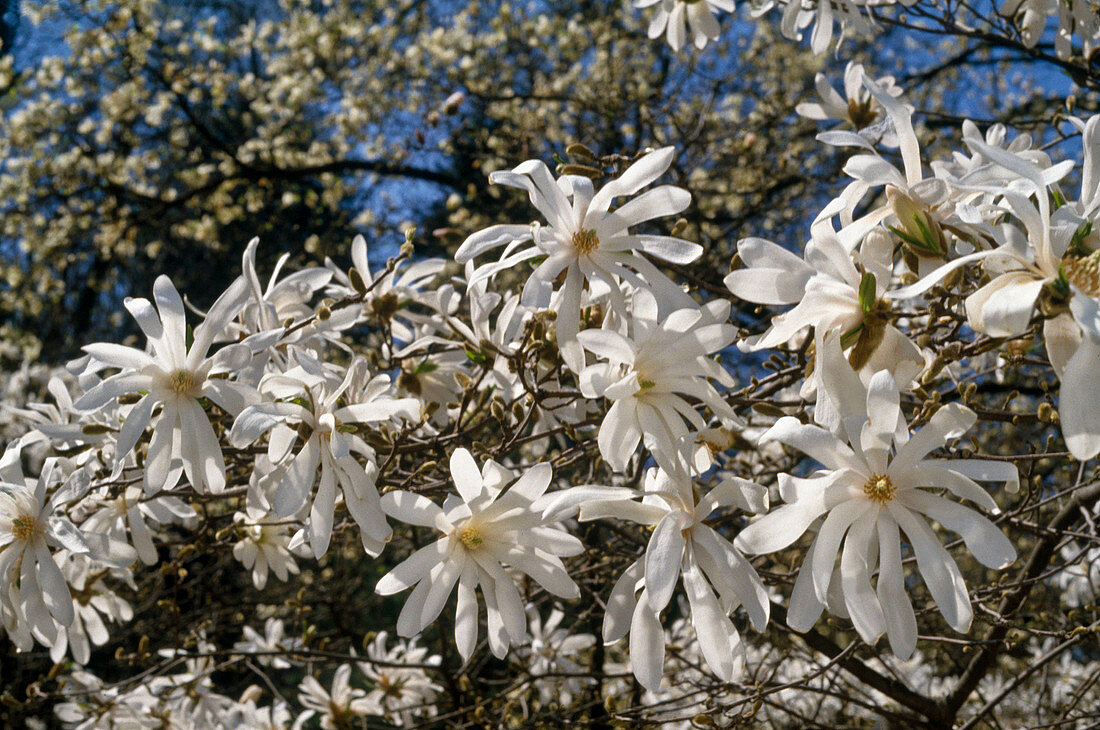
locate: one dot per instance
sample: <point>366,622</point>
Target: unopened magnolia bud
<point>1046,413</point>
<point>680,226</point>
<point>453,102</point>
<point>252,694</point>
<point>463,380</point>
<point>581,151</point>
<point>323,313</point>
<point>357,282</point>
<point>406,249</point>
<point>767,409</point>
<point>582,170</point>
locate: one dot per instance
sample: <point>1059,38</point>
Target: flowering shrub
<point>566,425</point>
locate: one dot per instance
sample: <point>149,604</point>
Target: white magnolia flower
<point>553,650</point>
<point>877,484</point>
<point>34,592</point>
<point>857,109</point>
<point>830,294</point>
<point>396,297</point>
<point>403,694</point>
<point>265,546</point>
<point>326,412</point>
<point>483,528</point>
<point>648,376</point>
<point>59,421</point>
<point>141,516</point>
<point>174,377</point>
<point>587,242</point>
<point>674,17</point>
<point>716,577</point>
<point>337,708</point>
<point>1075,17</point>
<point>270,648</point>
<point>95,603</point>
<point>246,714</point>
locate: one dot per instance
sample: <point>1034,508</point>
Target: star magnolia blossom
<point>857,108</point>
<point>681,547</point>
<point>675,17</point>
<point>482,528</point>
<point>174,377</point>
<point>648,376</point>
<point>587,241</point>
<point>401,693</point>
<point>312,402</point>
<point>875,485</point>
<point>35,592</point>
<point>338,708</point>
<point>830,294</point>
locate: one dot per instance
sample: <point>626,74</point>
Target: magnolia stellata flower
<point>265,546</point>
<point>648,376</point>
<point>390,294</point>
<point>96,602</point>
<point>675,17</point>
<point>174,377</point>
<point>129,512</point>
<point>553,650</point>
<point>325,412</point>
<point>34,592</point>
<point>716,577</point>
<point>266,648</point>
<point>877,484</point>
<point>401,693</point>
<point>483,527</point>
<point>587,241</point>
<point>857,108</point>
<point>830,294</point>
<point>337,708</point>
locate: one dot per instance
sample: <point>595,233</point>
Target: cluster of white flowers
<point>831,22</point>
<point>633,365</point>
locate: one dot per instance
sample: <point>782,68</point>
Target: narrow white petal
<point>647,645</point>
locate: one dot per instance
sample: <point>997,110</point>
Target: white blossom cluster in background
<point>269,404</point>
<point>1076,23</point>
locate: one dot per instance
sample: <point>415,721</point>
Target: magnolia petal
<point>901,622</point>
<point>663,556</point>
<point>647,645</point>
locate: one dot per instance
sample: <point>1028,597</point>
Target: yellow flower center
<point>586,241</point>
<point>24,528</point>
<point>1084,272</point>
<point>183,382</point>
<point>470,537</point>
<point>879,489</point>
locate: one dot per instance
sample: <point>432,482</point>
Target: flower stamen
<point>879,488</point>
<point>470,537</point>
<point>24,528</point>
<point>183,382</point>
<point>1084,272</point>
<point>586,241</point>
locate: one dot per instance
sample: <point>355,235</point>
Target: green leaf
<point>849,338</point>
<point>867,292</point>
<point>476,356</point>
<point>1059,200</point>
